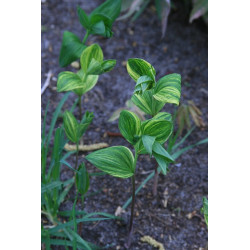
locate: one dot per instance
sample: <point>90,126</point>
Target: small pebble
<point>130,31</point>
<point>124,63</point>
<point>75,65</point>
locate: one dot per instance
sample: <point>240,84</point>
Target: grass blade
<point>68,165</point>
<point>55,116</point>
<point>183,139</point>
<point>65,192</point>
<point>50,186</point>
<point>71,234</point>
<point>183,150</point>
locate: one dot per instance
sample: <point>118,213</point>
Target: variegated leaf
<point>85,122</point>
<point>147,103</point>
<point>98,68</point>
<point>160,129</point>
<point>117,161</point>
<point>88,82</point>
<point>130,126</point>
<point>168,89</point>
<point>163,116</point>
<point>94,51</point>
<point>137,67</point>
<point>70,126</point>
<point>68,81</point>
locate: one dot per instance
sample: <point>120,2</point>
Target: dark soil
<point>183,50</point>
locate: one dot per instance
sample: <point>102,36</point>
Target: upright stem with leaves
<point>147,137</point>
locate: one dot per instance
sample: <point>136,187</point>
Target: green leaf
<point>88,82</point>
<point>160,150</point>
<point>110,8</point>
<point>160,129</point>
<point>117,161</point>
<point>108,65</point>
<point>168,89</point>
<point>147,103</point>
<point>162,157</point>
<point>98,68</point>
<point>94,51</point>
<point>70,126</point>
<point>163,116</point>
<point>85,122</point>
<point>130,126</point>
<point>200,8</point>
<point>83,18</point>
<point>68,81</point>
<point>82,180</point>
<point>98,29</point>
<point>162,162</point>
<point>101,25</point>
<point>71,49</point>
<point>148,142</point>
<point>143,83</point>
<point>137,67</point>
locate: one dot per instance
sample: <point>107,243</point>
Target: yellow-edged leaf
<point>117,161</point>
<point>160,129</point>
<point>147,103</point>
<point>70,126</point>
<point>130,126</point>
<point>94,51</point>
<point>137,67</point>
<point>68,81</point>
<point>168,89</point>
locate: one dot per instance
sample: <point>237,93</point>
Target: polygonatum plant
<point>98,22</point>
<point>92,65</point>
<point>151,95</point>
<point>148,136</point>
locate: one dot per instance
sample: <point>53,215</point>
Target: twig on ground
<point>113,134</point>
<point>86,147</point>
<point>152,242</point>
<point>47,82</point>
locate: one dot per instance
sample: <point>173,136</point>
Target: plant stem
<point>132,205</point>
<point>85,37</point>
<point>80,107</point>
<point>81,223</point>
